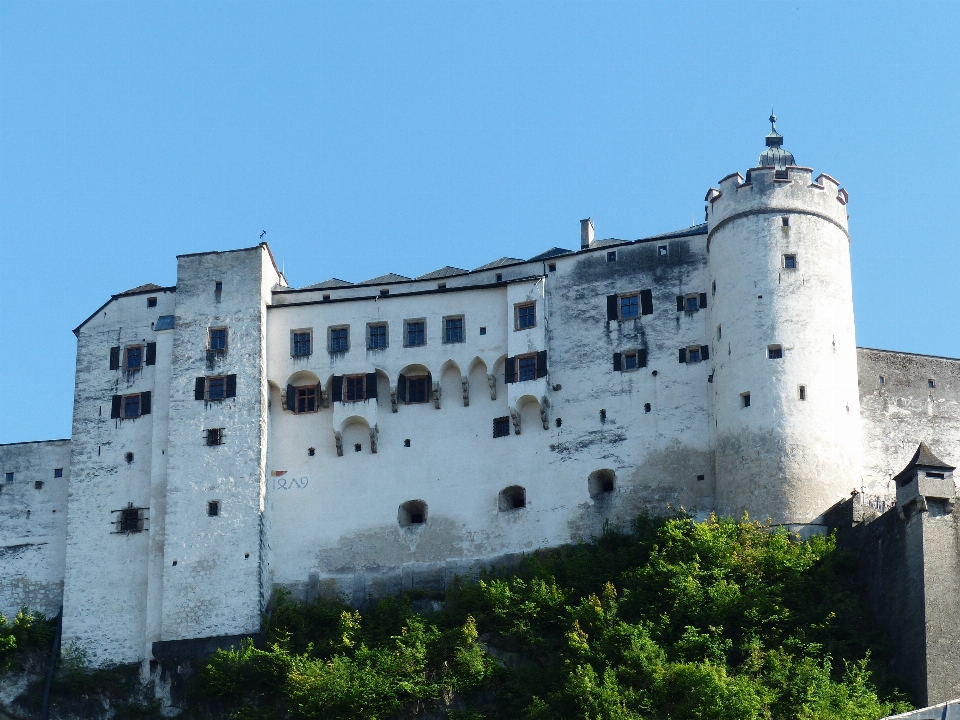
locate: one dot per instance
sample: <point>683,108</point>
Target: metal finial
<point>773,120</point>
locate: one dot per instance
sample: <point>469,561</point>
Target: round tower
<point>786,401</point>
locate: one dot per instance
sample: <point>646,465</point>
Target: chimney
<point>586,233</point>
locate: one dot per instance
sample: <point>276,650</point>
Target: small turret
<point>775,156</point>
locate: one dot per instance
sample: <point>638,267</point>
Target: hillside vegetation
<point>719,620</point>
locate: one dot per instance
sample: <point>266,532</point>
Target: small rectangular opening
<point>384,291</point>
<point>803,392</point>
<point>774,352</point>
<point>719,332</point>
<point>931,383</point>
<point>213,508</point>
<point>8,477</point>
<point>501,426</point>
<point>58,472</point>
<point>936,475</point>
<point>790,262</point>
<point>151,302</point>
<point>612,256</point>
<point>745,399</point>
<point>646,407</point>
<point>483,330</point>
<point>661,251</point>
<point>499,277</point>
<point>215,436</point>
<point>552,267</point>
<point>326,297</point>
<point>39,484</point>
<point>882,379</point>
<point>786,220</point>
<point>441,286</point>
<point>218,287</point>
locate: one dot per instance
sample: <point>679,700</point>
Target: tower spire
<point>775,155</point>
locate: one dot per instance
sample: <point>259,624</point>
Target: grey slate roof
<point>388,278</point>
<point>925,457</point>
<point>140,289</point>
<point>331,283</point>
<point>552,252</point>
<point>443,272</point>
<point>499,263</point>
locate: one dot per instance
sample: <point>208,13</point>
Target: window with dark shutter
<point>542,364</point>
<point>705,352</point>
<point>617,361</point>
<point>151,353</point>
<point>371,386</point>
<point>199,388</point>
<point>612,307</point>
<point>510,370</point>
<point>642,358</point>
<point>115,358</point>
<point>679,303</point>
<point>337,391</point>
<point>231,386</point>
<point>291,398</point>
<point>683,355</point>
<point>646,302</point>
<point>145,400</point>
<point>115,406</point>
<point>703,300</point>
<point>402,388</point>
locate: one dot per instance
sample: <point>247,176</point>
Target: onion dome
<point>775,155</point>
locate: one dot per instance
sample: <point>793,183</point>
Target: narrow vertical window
<point>745,399</point>
<point>803,392</point>
<point>525,316</point>
<point>217,340</point>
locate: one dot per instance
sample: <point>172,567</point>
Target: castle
<point>232,435</point>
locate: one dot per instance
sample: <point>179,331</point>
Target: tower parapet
<point>785,387</point>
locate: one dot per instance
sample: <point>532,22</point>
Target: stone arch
<point>477,378</point>
<point>526,414</point>
<point>602,483</point>
<point>301,379</point>
<point>451,385</point>
<point>354,431</point>
<point>498,386</point>
<point>384,391</point>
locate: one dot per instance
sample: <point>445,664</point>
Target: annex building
<point>232,434</point>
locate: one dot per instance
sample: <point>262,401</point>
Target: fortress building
<point>232,435</point>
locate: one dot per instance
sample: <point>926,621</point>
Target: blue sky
<point>400,137</point>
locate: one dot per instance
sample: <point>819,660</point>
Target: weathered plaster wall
<point>211,565</point>
<point>781,457</point>
<point>903,411</point>
<point>33,525</point>
<point>105,600</point>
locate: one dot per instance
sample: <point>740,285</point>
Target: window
<point>719,332</point>
<point>357,447</point>
<point>218,387</point>
<point>785,220</point>
<point>129,521</point>
<point>646,407</point>
<point>416,390</point>
<point>803,392</point>
<point>151,302</point>
<point>58,473</point>
<point>128,457</point>
<point>525,315</point>
<point>790,262</point>
<point>353,388</point>
<point>694,354</point>
<point>882,380</point>
<point>931,384</point>
<point>612,256</point>
<point>552,267</point>
<point>217,340</point>
<point>512,498</point>
<point>38,484</point>
<point>453,330</point>
<point>938,476</point>
<point>499,277</point>
<point>326,297</point>
<point>527,367</point>
<point>629,306</point>
<point>691,304</point>
<point>441,286</point>
<point>311,451</point>
<point>8,477</point>
<point>213,508</point>
<point>302,343</point>
<point>133,357</point>
<point>377,336</point>
<point>214,436</point>
<point>745,399</point>
<point>774,352</point>
<point>630,360</point>
<point>713,287</point>
<point>131,406</point>
<point>601,482</point>
<point>218,287</point>
<point>412,512</point>
<point>661,251</point>
<point>415,333</point>
<point>384,292</point>
<point>501,428</point>
<point>483,331</point>
<point>339,339</point>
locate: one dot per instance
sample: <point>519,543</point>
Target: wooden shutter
<point>151,353</point>
<point>617,361</point>
<point>115,406</point>
<point>337,388</point>
<point>319,395</point>
<point>542,364</point>
<point>402,388</point>
<point>646,302</point>
<point>641,358</point>
<point>231,389</point>
<point>613,312</point>
<point>370,386</point>
<point>291,398</point>
<point>679,303</point>
<point>510,370</point>
<point>115,358</point>
<point>705,352</point>
<point>683,355</point>
<point>145,398</point>
<point>703,300</point>
<point>200,388</point>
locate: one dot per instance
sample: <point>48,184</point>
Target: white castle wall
<point>782,457</point>
<point>33,523</point>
